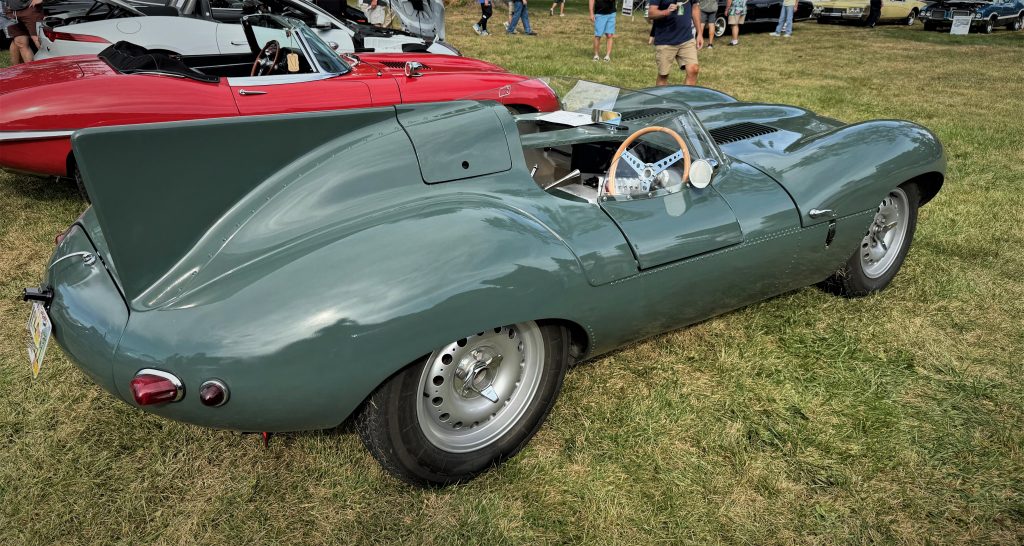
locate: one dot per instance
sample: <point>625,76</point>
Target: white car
<point>194,27</point>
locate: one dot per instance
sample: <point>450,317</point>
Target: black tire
<point>990,25</point>
<point>852,280</point>
<point>76,175</point>
<point>1017,23</point>
<point>391,430</point>
<point>911,18</point>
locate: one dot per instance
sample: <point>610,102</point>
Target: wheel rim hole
<point>461,342</point>
<point>446,359</point>
<point>437,401</point>
<point>457,425</point>
<point>443,417</point>
<point>438,380</point>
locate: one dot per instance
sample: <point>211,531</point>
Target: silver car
<point>202,27</point>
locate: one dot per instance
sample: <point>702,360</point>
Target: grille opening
<point>646,113</point>
<point>740,131</point>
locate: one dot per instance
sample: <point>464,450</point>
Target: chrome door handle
<point>819,213</point>
<point>247,92</point>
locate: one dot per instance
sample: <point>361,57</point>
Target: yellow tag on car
<point>293,62</point>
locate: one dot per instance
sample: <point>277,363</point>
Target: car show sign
<point>961,24</point>
<point>627,7</point>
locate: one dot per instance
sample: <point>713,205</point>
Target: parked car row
<point>207,27</point>
<point>986,15</point>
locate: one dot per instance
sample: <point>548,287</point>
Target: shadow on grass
<point>46,189</point>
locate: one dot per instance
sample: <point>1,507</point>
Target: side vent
<point>740,131</point>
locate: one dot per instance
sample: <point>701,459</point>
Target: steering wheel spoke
<point>667,162</point>
<point>634,162</point>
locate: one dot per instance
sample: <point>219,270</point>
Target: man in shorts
<point>602,14</point>
<point>708,14</point>
<point>676,38</point>
<point>561,8</point>
<point>736,10</point>
<point>27,15</point>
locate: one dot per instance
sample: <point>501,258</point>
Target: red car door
<point>298,93</point>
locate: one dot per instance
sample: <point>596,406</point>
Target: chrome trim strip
<point>32,135</point>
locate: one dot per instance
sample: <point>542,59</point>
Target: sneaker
<point>551,11</point>
<point>596,58</point>
<point>484,33</point>
<point>531,33</point>
<point>505,24</point>
<point>561,15</point>
<point>607,58</point>
<point>711,46</point>
<point>476,28</point>
<point>787,35</point>
<point>734,42</point>
<point>774,34</point>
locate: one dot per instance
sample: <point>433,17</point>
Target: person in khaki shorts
<point>676,38</point>
<point>737,13</point>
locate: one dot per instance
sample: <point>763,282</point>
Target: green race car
<point>432,270</point>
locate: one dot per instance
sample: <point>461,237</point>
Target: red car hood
<point>50,71</point>
<point>395,62</point>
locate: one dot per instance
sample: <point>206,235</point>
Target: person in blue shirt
<point>676,40</point>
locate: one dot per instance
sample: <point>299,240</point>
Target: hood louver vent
<point>740,131</point>
<point>646,113</point>
<point>400,65</point>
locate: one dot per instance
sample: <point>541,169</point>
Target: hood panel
<point>394,63</point>
<point>40,73</point>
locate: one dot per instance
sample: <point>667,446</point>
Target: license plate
<point>39,329</point>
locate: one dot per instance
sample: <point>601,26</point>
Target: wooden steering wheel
<point>647,171</point>
<point>267,59</point>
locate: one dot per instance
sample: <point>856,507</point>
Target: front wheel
<point>1017,23</point>
<point>912,18</point>
<point>470,405</point>
<point>990,25</point>
<point>883,249</point>
<point>720,25</point>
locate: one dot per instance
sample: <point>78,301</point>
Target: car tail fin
<point>157,189</point>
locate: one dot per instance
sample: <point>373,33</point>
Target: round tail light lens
<point>213,393</point>
<point>151,387</point>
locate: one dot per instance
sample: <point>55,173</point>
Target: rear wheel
<point>720,26</point>
<point>470,405</point>
<point>76,174</point>
<point>1017,23</point>
<point>882,250</point>
<point>911,18</point>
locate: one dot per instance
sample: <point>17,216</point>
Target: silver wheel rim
<point>477,388</point>
<point>720,24</point>
<point>911,18</point>
<point>882,245</point>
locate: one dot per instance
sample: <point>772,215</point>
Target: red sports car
<point>42,103</point>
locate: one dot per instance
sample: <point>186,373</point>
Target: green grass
<point>806,418</point>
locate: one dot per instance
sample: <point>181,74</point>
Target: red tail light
<point>53,36</point>
<point>156,387</point>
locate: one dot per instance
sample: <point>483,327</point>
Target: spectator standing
<point>26,14</point>
<point>561,9</point>
<point>676,38</point>
<point>876,12</point>
<point>708,14</point>
<point>737,13</point>
<point>486,10</point>
<point>520,11</point>
<point>374,12</point>
<point>602,14</point>
<point>785,26</point>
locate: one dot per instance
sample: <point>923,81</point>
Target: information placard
<point>627,7</point>
<point>961,24</point>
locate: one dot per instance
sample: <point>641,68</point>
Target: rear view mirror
<point>412,69</point>
<point>323,23</point>
<point>701,173</point>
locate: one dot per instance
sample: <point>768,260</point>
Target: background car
<point>985,16</point>
<point>431,270</point>
<point>762,12</point>
<point>195,27</point>
<point>45,101</point>
<point>836,11</point>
